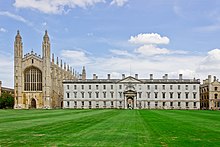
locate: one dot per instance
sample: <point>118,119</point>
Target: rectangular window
<point>156,104</point>
<point>155,87</point>
<point>112,103</point>
<point>112,94</point>
<point>164,95</point>
<point>120,86</point>
<point>155,94</point>
<point>178,87</point>
<point>148,94</point>
<point>187,87</point>
<point>104,94</point>
<point>82,87</point>
<point>90,103</point>
<point>90,94</point>
<point>82,103</point>
<point>104,86</point>
<point>97,87</point>
<point>111,86</point>
<point>82,94</point>
<point>97,95</point>
<point>148,104</point>
<point>171,95</point>
<point>75,94</point>
<point>187,104</point>
<point>187,95</point>
<point>90,87</point>
<point>171,104</point>
<point>164,103</point>
<point>104,103</point>
<point>179,95</point>
<point>68,95</point>
<point>163,87</point>
<point>68,104</point>
<point>194,104</point>
<point>178,104</point>
<point>194,87</point>
<point>75,87</point>
<point>148,87</point>
<point>68,86</point>
<point>120,94</point>
<point>171,87</point>
<point>194,95</point>
<point>139,93</point>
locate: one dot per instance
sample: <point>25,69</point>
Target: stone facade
<point>38,80</point>
<point>210,94</point>
<point>132,93</point>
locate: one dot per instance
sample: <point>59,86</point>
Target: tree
<point>6,101</point>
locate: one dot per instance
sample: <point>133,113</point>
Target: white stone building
<point>132,93</point>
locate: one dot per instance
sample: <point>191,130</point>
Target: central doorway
<point>33,103</point>
<point>130,103</point>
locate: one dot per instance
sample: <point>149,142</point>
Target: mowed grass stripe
<point>173,128</point>
<point>16,125</point>
<point>38,114</point>
<point>125,129</point>
<point>54,133</point>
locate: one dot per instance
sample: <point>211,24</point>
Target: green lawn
<point>109,128</point>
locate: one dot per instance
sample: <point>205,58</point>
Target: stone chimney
<point>151,76</point>
<point>94,76</point>
<point>209,78</point>
<point>136,76</point>
<point>166,76</point>
<point>109,76</point>
<point>214,79</point>
<point>180,76</point>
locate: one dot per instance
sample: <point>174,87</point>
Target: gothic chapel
<point>38,80</point>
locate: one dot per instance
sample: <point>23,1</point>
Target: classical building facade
<point>38,80</point>
<point>132,93</point>
<point>210,94</point>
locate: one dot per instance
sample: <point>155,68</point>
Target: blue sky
<point>117,36</point>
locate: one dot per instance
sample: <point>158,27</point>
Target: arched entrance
<point>130,103</point>
<point>61,104</point>
<point>130,99</point>
<point>33,103</point>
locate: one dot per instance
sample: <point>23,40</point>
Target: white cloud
<point>75,57</point>
<point>119,3</point>
<point>152,38</point>
<point>211,63</point>
<point>121,53</point>
<point>15,17</point>
<point>6,66</point>
<point>151,50</point>
<point>55,6</point>
<point>2,30</point>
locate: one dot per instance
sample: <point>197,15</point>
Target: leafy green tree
<point>6,101</point>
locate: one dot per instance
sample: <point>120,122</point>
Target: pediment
<point>130,79</point>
